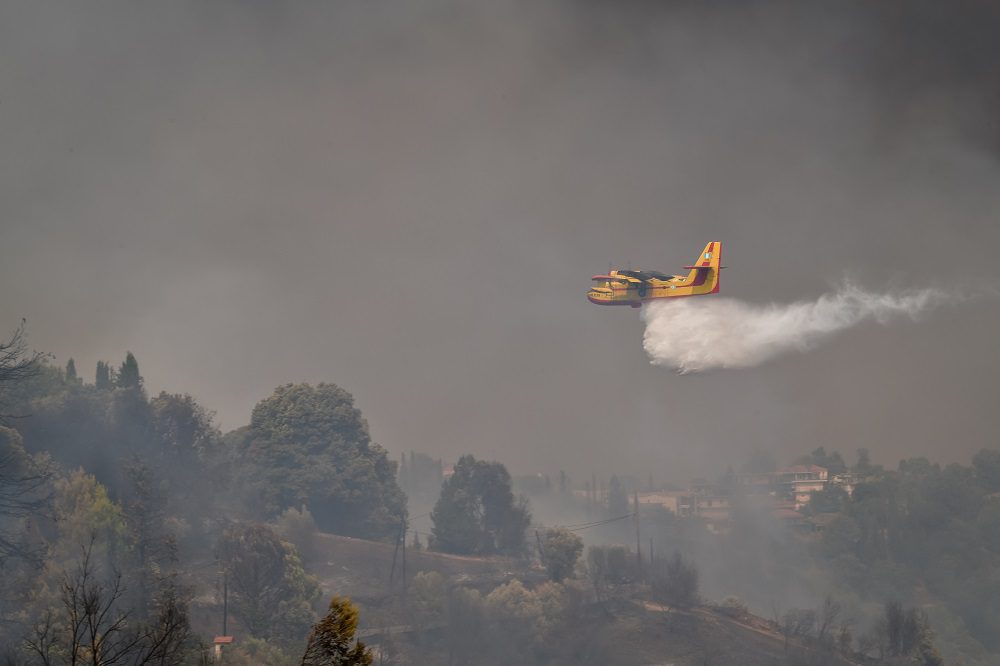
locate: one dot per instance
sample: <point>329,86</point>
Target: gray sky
<point>408,199</point>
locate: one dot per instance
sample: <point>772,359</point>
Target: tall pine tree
<point>71,377</point>
<point>128,374</point>
<point>102,378</point>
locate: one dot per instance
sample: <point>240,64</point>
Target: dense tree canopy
<point>832,461</point>
<point>271,593</point>
<point>128,375</point>
<point>560,551</point>
<point>310,445</point>
<point>23,492</point>
<point>477,512</point>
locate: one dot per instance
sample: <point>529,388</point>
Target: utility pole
<point>404,562</point>
<point>225,602</point>
<point>638,536</point>
<point>395,553</point>
<point>225,638</point>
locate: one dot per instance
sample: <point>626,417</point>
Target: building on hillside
<point>714,507</point>
<point>708,502</point>
<point>669,500</point>
<point>756,483</point>
<point>798,483</point>
<point>847,481</point>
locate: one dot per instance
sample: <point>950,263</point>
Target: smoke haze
<point>409,201</point>
<point>697,334</point>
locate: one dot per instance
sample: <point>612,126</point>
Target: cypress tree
<point>102,379</point>
<point>128,374</point>
<point>71,372</point>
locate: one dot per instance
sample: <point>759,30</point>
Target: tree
<point>597,570</point>
<point>71,377</point>
<point>128,374</point>
<point>800,622</point>
<point>560,551</point>
<point>102,376</point>
<point>24,491</point>
<point>518,622</point>
<point>16,362</point>
<point>466,613</point>
<point>617,498</point>
<point>829,500</point>
<point>185,429</point>
<point>987,468</point>
<point>310,445</point>
<point>827,620</point>
<point>187,452</point>
<point>93,627</point>
<point>902,633</point>
<point>271,593</point>
<point>427,598</point>
<point>477,512</point>
<point>864,466</point>
<point>676,582</point>
<point>832,462</point>
<point>83,426</point>
<point>152,549</point>
<point>332,642</point>
<point>609,565</point>
<point>85,514</point>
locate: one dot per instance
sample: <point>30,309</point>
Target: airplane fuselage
<point>635,287</point>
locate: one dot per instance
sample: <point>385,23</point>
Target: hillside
<point>626,630</point>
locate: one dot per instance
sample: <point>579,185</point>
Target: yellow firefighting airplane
<point>634,287</point>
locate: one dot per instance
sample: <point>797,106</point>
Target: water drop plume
<point>704,333</point>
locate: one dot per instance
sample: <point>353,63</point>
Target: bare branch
<point>43,638</point>
<point>16,363</point>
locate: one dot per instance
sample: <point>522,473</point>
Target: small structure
<point>669,500</point>
<point>219,641</point>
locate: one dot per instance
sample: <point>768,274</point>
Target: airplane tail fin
<point>706,269</point>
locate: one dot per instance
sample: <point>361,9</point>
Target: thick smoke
<point>697,334</point>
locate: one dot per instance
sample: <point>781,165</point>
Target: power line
<point>584,526</point>
<point>602,520</point>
